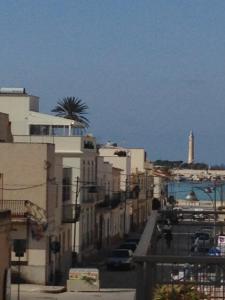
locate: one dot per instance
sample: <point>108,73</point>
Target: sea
<point>205,190</point>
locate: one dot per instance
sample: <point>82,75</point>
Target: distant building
<point>191,148</point>
<point>135,182</point>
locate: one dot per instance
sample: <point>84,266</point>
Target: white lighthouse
<point>191,148</point>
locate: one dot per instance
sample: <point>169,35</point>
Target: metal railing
<point>163,265</point>
<point>25,209</point>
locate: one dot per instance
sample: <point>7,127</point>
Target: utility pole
<point>2,200</point>
<point>215,215</point>
<point>76,217</point>
<point>125,208</point>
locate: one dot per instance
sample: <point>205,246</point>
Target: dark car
<point>129,245</point>
<point>133,240</point>
<point>201,242</point>
<point>120,258</point>
<point>204,236</point>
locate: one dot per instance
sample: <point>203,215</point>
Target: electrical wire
<point>23,188</point>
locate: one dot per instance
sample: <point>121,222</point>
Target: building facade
<point>78,154</point>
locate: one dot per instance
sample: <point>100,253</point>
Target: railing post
<point>140,289</point>
<point>150,280</point>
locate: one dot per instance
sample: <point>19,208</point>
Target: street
<point>115,284</point>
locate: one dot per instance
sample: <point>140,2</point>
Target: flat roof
<point>36,118</point>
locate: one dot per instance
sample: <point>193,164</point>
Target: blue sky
<point>150,71</point>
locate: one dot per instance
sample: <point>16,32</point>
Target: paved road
<point>118,279</point>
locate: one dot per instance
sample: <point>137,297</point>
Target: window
<point>39,130</point>
<point>89,145</point>
<point>67,184</point>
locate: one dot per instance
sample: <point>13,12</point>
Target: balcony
<point>17,207</point>
<point>25,209</point>
<point>112,201</point>
<point>71,213</point>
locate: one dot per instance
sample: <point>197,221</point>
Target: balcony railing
<point>25,209</point>
<point>17,207</point>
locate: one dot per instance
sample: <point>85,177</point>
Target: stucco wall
<point>18,109</point>
<point>137,159</point>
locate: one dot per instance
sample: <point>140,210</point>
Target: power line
<point>23,188</point>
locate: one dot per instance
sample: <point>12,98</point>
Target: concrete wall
<point>5,253</point>
<point>121,163</point>
<point>116,179</point>
<point>18,107</point>
<point>137,159</point>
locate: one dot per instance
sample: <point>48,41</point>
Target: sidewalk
<point>38,288</point>
<point>32,291</point>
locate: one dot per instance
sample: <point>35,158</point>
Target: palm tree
<point>72,108</point>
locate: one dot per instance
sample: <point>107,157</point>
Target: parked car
<point>120,258</point>
<point>202,235</point>
<point>202,242</point>
<point>133,240</point>
<point>208,229</point>
<point>129,245</point>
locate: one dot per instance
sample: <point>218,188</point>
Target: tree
<point>72,108</point>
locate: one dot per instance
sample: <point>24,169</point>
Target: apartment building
<point>78,153</point>
<point>5,250</point>
<point>110,206</point>
<point>31,189</point>
<point>135,181</point>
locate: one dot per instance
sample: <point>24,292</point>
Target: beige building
<point>138,159</point>
<point>135,182</point>
<point>5,250</point>
<point>78,155</point>
<point>119,158</point>
<point>110,207</point>
<point>31,190</point>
